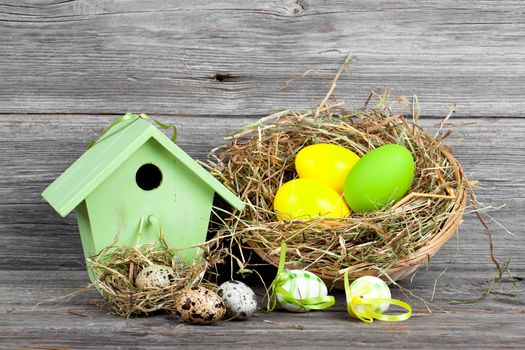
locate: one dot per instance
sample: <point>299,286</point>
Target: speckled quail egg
<point>198,305</point>
<point>239,299</point>
<point>155,276</point>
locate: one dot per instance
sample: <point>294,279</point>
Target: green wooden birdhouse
<point>134,178</point>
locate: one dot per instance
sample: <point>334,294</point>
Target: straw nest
<point>390,243</point>
<point>116,268</point>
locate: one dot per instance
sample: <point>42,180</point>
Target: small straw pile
<point>115,269</point>
<point>391,242</point>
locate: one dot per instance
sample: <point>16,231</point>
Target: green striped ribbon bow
<point>283,276</point>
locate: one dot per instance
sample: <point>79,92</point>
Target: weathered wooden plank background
<point>67,68</point>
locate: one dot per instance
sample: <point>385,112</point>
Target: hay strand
<point>393,241</point>
<point>115,269</point>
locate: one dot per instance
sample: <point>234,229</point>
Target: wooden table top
<point>68,68</point>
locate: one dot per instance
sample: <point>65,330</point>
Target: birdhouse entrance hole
<point>148,177</point>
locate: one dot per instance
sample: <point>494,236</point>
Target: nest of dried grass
<point>390,243</point>
<point>116,268</point>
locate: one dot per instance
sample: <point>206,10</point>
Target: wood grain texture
<point>35,149</point>
<point>41,256</point>
<point>69,67</point>
<point>232,57</point>
<point>56,325</point>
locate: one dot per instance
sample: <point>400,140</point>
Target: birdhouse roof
<point>115,146</point>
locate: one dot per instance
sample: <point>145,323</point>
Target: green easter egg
<point>382,176</point>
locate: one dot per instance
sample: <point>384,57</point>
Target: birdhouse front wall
<point>150,183</point>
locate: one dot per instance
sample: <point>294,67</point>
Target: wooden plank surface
<point>41,255</point>
<point>69,67</point>
<point>35,149</point>
<point>232,57</point>
<point>495,323</point>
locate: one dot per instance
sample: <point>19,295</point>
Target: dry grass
<point>115,269</point>
<point>391,242</point>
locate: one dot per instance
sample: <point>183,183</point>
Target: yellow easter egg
<point>305,199</point>
<point>326,163</point>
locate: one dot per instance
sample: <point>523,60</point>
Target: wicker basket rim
<point>409,264</point>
